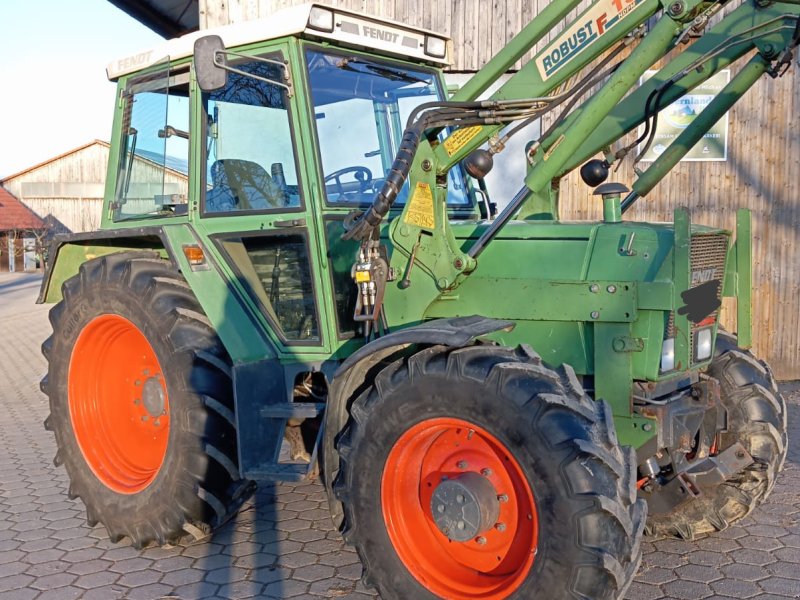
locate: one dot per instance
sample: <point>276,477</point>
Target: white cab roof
<point>350,29</point>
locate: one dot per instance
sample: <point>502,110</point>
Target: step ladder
<point>277,415</point>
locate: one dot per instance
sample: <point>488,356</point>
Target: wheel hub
<point>153,396</point>
<point>464,507</point>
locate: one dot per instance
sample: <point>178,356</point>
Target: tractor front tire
<point>756,418</point>
<point>141,402</point>
<point>445,431</point>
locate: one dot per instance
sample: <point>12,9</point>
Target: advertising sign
<point>673,119</point>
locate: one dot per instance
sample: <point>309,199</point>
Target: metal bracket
<point>287,74</point>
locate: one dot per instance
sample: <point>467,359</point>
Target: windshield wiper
<point>385,72</point>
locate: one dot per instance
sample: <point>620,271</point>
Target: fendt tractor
<point>297,237</point>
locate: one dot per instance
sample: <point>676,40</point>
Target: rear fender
<point>355,374</point>
<point>69,251</point>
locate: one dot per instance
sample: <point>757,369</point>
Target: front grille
<point>708,254</point>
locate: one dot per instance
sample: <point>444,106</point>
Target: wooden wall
<point>762,171</point>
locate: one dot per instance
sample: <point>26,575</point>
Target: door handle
<point>290,223</point>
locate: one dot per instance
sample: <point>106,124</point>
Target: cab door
<point>255,206</point>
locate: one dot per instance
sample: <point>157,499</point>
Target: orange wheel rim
<point>494,562</point>
<point>118,404</point>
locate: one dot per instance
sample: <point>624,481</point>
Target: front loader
<point>297,243</point>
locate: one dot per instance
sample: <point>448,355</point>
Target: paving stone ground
<point>282,544</point>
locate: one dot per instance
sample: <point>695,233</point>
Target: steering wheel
<point>362,174</point>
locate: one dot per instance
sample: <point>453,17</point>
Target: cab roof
<point>351,29</point>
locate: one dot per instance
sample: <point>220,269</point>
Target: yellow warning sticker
<point>420,207</point>
<point>460,138</point>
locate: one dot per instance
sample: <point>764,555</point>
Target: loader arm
<point>423,231</point>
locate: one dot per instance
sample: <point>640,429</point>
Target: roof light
<point>435,46</point>
<point>321,19</point>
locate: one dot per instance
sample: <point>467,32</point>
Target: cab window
<point>152,173</point>
<point>250,159</point>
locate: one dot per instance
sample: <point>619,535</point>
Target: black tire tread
<point>607,568</point>
<point>756,411</point>
<point>210,488</point>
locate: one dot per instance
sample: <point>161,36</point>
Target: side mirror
<point>210,63</point>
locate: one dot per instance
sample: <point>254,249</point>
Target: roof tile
<point>15,215</point>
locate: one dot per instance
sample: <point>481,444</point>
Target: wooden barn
<point>68,189</point>
<point>761,171</point>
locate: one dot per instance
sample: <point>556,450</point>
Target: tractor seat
<point>239,184</point>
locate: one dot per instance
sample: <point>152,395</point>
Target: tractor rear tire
<point>569,524</point>
<point>756,418</point>
<point>141,402</point>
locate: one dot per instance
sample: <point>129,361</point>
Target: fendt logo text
<point>703,276</point>
<point>596,22</point>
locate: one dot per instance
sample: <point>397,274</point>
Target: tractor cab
<point>313,86</point>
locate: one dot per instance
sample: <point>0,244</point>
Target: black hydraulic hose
<point>654,125</point>
<point>580,89</point>
<point>362,229</point>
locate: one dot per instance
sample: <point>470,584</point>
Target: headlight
<point>435,46</point>
<point>321,19</point>
<point>668,355</point>
<point>702,344</point>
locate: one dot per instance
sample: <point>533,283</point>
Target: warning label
<point>420,208</point>
<point>460,138</point>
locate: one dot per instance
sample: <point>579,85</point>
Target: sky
<point>54,93</point>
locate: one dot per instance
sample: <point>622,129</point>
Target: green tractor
<point>297,243</point>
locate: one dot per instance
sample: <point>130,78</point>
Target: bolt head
<point>595,314</point>
<point>462,464</point>
<point>486,472</point>
<point>503,498</point>
<point>594,288</point>
<point>500,526</point>
<point>647,427</point>
<point>481,540</point>
<point>611,289</point>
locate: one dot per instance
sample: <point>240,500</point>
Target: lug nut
<point>462,464</point>
<point>481,540</point>
<point>502,498</point>
<point>486,472</point>
<point>500,526</point>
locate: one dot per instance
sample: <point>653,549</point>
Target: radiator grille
<point>708,255</point>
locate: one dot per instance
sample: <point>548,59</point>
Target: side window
<point>250,161</point>
<point>276,271</point>
<point>154,163</point>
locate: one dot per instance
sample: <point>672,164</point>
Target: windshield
<point>361,107</point>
